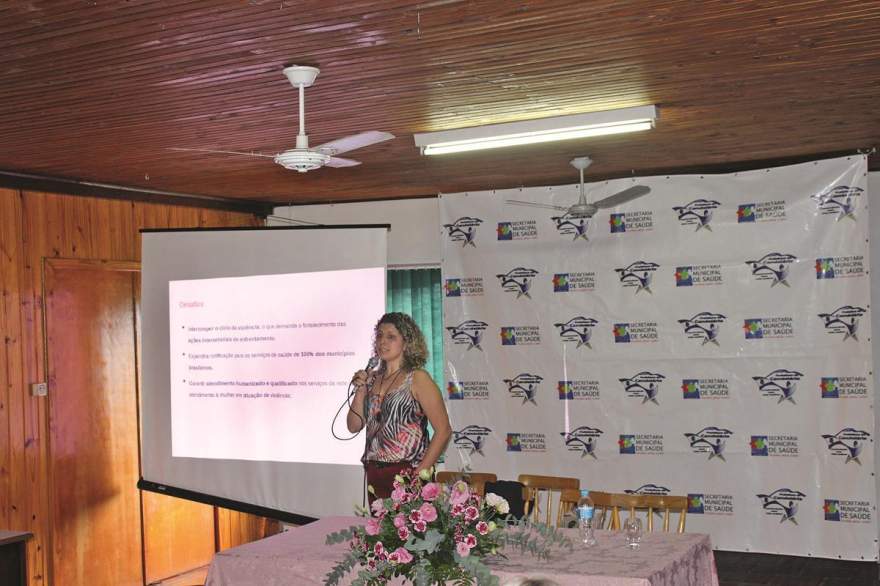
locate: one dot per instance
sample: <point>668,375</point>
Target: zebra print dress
<point>397,428</point>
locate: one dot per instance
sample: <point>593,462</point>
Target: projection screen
<point>249,340</point>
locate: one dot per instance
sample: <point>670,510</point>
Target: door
<point>93,424</point>
<point>104,530</point>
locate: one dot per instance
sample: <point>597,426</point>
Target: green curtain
<point>418,293</point>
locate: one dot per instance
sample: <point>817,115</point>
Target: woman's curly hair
<point>415,351</point>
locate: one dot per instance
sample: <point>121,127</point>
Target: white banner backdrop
<point>709,339</point>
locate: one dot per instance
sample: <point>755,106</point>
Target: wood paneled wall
<point>34,226</point>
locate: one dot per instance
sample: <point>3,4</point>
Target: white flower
<point>499,502</point>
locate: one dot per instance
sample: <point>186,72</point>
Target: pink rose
<point>420,526</point>
<point>429,513</point>
<point>399,520</point>
<point>378,507</point>
<point>460,493</point>
<point>471,513</point>
<point>470,540</point>
<point>482,527</point>
<point>462,549</point>
<point>415,516</point>
<point>398,494</point>
<point>457,510</point>
<point>402,555</point>
<point>430,491</point>
<point>403,533</point>
<point>372,527</point>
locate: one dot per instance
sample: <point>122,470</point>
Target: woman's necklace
<point>383,390</point>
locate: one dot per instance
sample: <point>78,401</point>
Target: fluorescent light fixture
<point>535,131</point>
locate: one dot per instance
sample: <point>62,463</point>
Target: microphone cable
<point>371,364</point>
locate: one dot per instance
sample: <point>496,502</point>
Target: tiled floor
<point>193,578</point>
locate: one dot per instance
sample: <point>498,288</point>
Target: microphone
<point>372,363</point>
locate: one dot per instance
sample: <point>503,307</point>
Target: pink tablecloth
<point>299,557</point>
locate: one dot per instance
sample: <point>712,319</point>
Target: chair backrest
<point>534,486</point>
<point>476,480</point>
<point>608,506</point>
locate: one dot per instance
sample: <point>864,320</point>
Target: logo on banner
<point>759,328</point>
<point>524,386</point>
<point>642,221</point>
<point>471,438</point>
<point>704,327</point>
<point>780,383</point>
<point>582,440</point>
<point>651,489</point>
<point>526,442</point>
<point>836,267</point>
<point>705,388</point>
<point>518,280</point>
<point>520,336</point>
<point>847,511</point>
<point>645,386</point>
<point>844,320</point>
<point>710,504</point>
<point>640,331</point>
<point>468,332</point>
<point>841,202</point>
<point>782,503</point>
<point>847,443</point>
<point>697,213</point>
<point>574,225</point>
<point>649,444</point>
<point>709,440</point>
<point>697,275</point>
<point>766,211</point>
<point>467,287</point>
<point>467,389</point>
<point>569,282</point>
<point>844,387</point>
<point>638,275</point>
<point>578,329</point>
<point>463,230</point>
<point>772,267</point>
<point>571,390</point>
<point>775,445</point>
<point>519,230</point>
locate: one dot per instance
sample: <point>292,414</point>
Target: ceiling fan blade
<point>251,154</point>
<point>339,162</point>
<point>622,197</point>
<point>355,141</point>
<point>536,205</point>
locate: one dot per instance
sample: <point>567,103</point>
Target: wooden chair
<point>533,488</point>
<point>476,480</point>
<point>608,506</point>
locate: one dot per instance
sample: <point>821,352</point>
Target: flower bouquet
<point>432,533</point>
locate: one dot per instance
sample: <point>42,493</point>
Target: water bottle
<point>585,518</point>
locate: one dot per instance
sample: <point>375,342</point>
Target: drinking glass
<point>632,528</point>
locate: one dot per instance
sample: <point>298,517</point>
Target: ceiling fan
<point>583,208</point>
<point>303,158</point>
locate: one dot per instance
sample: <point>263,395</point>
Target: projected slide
<point>260,364</point>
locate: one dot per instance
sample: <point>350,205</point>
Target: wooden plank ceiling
<point>100,91</point>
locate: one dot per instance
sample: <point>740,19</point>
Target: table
<point>300,556</point>
<point>13,562</point>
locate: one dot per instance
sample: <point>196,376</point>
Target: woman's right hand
<point>359,380</point>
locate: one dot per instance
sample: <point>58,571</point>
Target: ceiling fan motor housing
<point>301,160</point>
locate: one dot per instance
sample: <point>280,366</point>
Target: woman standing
<point>395,404</point>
